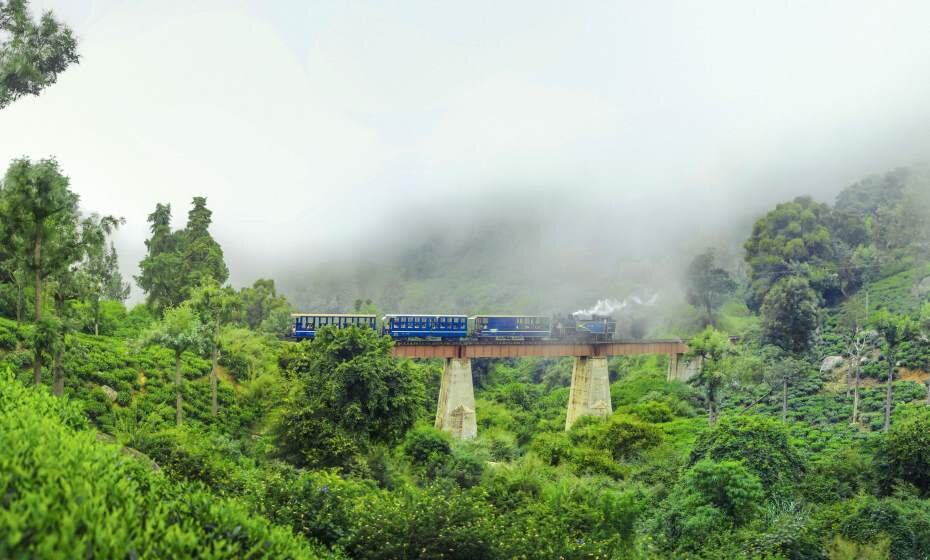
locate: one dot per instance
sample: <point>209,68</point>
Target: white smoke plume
<point>612,306</point>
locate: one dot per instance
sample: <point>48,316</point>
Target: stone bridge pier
<point>681,368</point>
<point>590,392</point>
<point>455,412</point>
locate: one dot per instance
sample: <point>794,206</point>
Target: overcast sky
<point>310,123</point>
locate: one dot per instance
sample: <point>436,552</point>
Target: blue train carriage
<point>405,326</point>
<point>306,324</point>
<point>519,327</point>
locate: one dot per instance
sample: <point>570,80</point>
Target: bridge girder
<point>547,350</point>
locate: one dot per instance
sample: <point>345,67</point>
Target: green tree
<point>32,54</point>
<point>710,500</point>
<point>161,270</point>
<point>49,340</point>
<point>760,443</point>
<point>263,307</point>
<point>42,218</point>
<point>792,239</point>
<point>924,326</point>
<point>176,262</point>
<point>12,262</point>
<point>100,269</point>
<point>707,285</point>
<point>782,370</point>
<point>789,315</point>
<point>893,330</point>
<point>202,255</point>
<point>905,451</point>
<point>711,347</point>
<point>349,394</point>
<point>859,344</point>
<point>216,306</point>
<point>179,330</point>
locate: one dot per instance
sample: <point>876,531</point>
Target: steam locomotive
<point>410,327</point>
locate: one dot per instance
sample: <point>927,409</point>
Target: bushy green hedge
<point>65,495</point>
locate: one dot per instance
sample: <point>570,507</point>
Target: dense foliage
<point>187,427</point>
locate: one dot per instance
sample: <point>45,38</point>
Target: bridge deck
<point>515,349</point>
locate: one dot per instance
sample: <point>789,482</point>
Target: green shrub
<point>67,496</point>
<point>553,448</point>
<point>761,443</point>
<point>710,500</point>
<point>424,445</point>
<point>499,445</point>
<point>434,457</point>
<point>7,340</point>
<point>192,455</point>
<point>317,504</point>
<point>904,454</point>
<point>864,520</point>
<point>838,475</point>
<point>429,523</point>
<point>652,411</point>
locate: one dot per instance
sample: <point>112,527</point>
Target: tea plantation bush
<point>65,495</point>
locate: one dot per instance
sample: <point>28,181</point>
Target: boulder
<point>830,363</point>
<point>110,392</point>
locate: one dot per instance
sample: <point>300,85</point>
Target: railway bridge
<point>590,389</point>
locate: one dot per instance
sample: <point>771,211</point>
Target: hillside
<point>187,426</point>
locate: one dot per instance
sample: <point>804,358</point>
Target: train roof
<point>421,315</point>
<point>514,316</point>
<point>332,315</point>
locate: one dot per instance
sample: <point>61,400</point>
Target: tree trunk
<point>37,264</point>
<point>784,399</point>
<point>177,387</point>
<point>855,412</point>
<point>889,394</point>
<point>37,261</point>
<point>58,383</point>
<point>96,315</point>
<point>847,382</point>
<point>20,303</point>
<point>711,406</point>
<point>214,404</point>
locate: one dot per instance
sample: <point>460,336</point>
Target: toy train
<point>403,327</point>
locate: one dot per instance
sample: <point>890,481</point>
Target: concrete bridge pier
<point>590,392</point>
<point>455,412</point>
<point>681,368</point>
